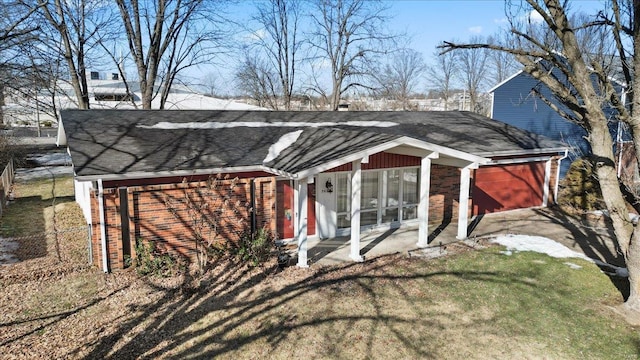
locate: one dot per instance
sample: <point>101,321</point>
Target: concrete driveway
<point>595,241</point>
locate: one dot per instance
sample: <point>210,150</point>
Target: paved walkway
<point>593,241</point>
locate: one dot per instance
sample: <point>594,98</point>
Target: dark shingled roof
<point>116,142</point>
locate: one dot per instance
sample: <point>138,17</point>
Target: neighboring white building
<point>21,110</point>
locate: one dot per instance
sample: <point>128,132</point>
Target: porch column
<point>423,205</point>
<point>296,208</point>
<point>302,222</point>
<point>463,204</point>
<point>356,184</point>
<point>547,180</point>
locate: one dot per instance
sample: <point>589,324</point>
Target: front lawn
<point>473,304</point>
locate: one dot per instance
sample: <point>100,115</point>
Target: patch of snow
<point>573,266</point>
<point>284,142</point>
<point>506,252</point>
<point>42,172</point>
<point>50,159</point>
<point>538,244</point>
<point>552,248</point>
<point>165,125</point>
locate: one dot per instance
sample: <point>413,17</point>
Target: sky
<point>429,22</point>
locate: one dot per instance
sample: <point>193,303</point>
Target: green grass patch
<point>26,215</point>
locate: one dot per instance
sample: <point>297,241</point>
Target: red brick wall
<point>168,214</point>
<point>444,193</point>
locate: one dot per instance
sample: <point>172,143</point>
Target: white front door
<point>326,217</point>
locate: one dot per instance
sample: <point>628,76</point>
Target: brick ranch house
<point>138,174</point>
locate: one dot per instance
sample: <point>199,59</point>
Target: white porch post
<point>296,208</point>
<point>423,205</point>
<point>463,204</point>
<point>547,180</point>
<point>356,184</point>
<point>302,222</point>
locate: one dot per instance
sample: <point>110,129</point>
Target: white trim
<point>505,81</point>
<point>103,227</point>
<point>463,203</point>
<point>156,174</point>
<point>547,179</point>
<point>296,208</point>
<point>389,145</point>
<point>356,184</point>
<point>493,101</point>
<point>524,152</point>
<point>302,223</point>
<point>518,160</point>
<point>423,204</point>
<point>557,184</point>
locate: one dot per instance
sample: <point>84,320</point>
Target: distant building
<point>106,91</point>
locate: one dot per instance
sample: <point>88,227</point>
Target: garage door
<point>507,187</point>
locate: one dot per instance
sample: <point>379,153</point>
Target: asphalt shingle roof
<point>113,142</point>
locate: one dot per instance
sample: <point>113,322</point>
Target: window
<point>390,195</point>
<point>369,198</point>
<point>343,192</point>
<point>410,193</point>
<point>387,196</point>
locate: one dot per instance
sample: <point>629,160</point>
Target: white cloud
<point>500,21</point>
<point>535,17</point>
<point>475,29</point>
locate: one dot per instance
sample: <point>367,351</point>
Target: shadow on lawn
<point>51,319</point>
<point>172,326</point>
<point>596,242</point>
<point>600,245</point>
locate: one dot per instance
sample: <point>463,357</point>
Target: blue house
<point>514,102</point>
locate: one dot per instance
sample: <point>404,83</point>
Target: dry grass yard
<point>473,304</point>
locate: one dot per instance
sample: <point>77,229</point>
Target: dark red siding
<point>507,187</point>
<point>382,160</point>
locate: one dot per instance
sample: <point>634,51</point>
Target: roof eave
<point>403,140</point>
<point>182,173</point>
<point>524,152</point>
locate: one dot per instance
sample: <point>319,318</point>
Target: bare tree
<point>583,91</point>
<point>17,26</point>
<point>501,64</point>
<point>76,24</point>
<point>473,72</point>
<point>165,37</point>
<point>348,34</point>
<point>442,74</point>
<point>400,76</point>
<point>259,81</point>
<point>277,40</point>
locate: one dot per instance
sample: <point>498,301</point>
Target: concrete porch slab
<point>595,242</point>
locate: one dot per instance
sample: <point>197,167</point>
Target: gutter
<point>523,152</point>
<point>103,227</point>
<point>181,173</point>
<point>555,190</point>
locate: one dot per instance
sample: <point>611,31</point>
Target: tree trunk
<point>632,259</point>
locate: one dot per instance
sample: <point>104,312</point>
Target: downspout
<point>103,227</point>
<point>555,191</point>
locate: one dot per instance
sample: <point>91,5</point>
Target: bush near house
<point>579,190</point>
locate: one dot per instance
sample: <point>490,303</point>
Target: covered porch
<point>361,241</point>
